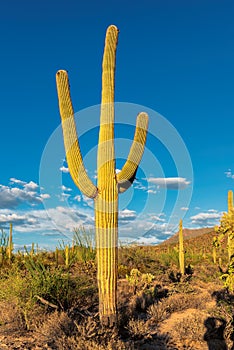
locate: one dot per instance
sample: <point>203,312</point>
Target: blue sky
<point>175,59</point>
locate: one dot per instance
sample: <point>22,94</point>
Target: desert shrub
<point>190,328</point>
<point>158,312</point>
<point>180,302</point>
<point>55,285</point>
<point>50,287</point>
<point>56,326</point>
<point>169,259</point>
<point>140,303</point>
<point>139,329</point>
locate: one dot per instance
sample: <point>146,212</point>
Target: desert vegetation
<point>49,300</point>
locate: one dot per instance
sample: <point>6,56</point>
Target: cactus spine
<point>181,247</point>
<point>109,184</point>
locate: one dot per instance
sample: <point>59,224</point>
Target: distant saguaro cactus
<point>226,228</point>
<point>230,201</point>
<point>10,243</point>
<point>181,247</point>
<point>109,184</point>
<point>230,242</point>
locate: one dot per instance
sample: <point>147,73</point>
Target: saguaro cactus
<point>10,243</point>
<point>109,184</point>
<point>230,201</point>
<point>230,241</point>
<point>181,247</point>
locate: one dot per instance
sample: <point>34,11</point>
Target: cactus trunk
<point>181,247</point>
<point>109,184</point>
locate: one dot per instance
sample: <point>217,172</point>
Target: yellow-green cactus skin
<point>109,184</point>
<point>230,201</point>
<point>230,242</point>
<point>181,248</point>
<point>10,243</point>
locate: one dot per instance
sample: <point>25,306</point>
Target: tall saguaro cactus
<point>109,184</point>
<point>181,247</point>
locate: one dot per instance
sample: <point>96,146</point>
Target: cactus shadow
<point>226,301</point>
<point>214,335</point>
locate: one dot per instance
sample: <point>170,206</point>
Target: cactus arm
<point>72,148</point>
<point>127,175</point>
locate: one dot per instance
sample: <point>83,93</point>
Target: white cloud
<point>31,186</point>
<point>152,191</point>
<point>44,195</point>
<point>78,198</point>
<point>173,183</point>
<point>13,180</point>
<point>148,241</point>
<point>19,193</point>
<point>209,218</point>
<point>127,215</point>
<point>139,186</point>
<point>64,188</point>
<point>64,169</point>
<point>54,220</point>
<point>229,174</point>
<point>184,208</point>
<point>13,197</point>
<point>157,218</point>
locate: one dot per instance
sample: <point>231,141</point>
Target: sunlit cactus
<point>214,250</point>
<point>230,242</point>
<point>181,247</point>
<point>230,201</point>
<point>226,227</point>
<point>10,243</point>
<point>67,256</point>
<point>109,184</point>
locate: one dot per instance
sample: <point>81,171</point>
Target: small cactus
<point>181,248</point>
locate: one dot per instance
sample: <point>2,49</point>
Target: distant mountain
<point>190,233</point>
